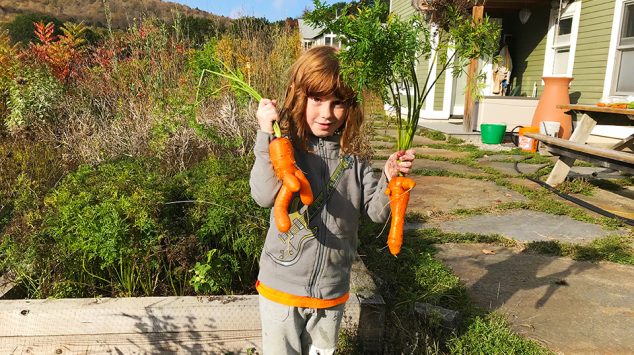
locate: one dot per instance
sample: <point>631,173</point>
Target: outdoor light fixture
<point>524,14</point>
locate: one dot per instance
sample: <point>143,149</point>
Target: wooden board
<point>166,325</point>
<point>593,108</point>
<point>6,283</point>
<point>194,342</point>
<point>152,325</point>
<point>606,163</point>
<point>623,157</point>
<point>562,166</point>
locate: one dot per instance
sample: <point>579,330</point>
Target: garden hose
<point>573,199</point>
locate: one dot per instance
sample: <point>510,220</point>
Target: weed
<point>492,335</point>
<point>576,186</point>
<point>454,140</point>
<point>431,134</point>
<point>417,276</point>
<point>615,248</point>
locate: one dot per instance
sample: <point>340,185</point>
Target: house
<point>312,36</point>
<point>590,40</point>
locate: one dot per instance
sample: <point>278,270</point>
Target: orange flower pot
<point>555,93</point>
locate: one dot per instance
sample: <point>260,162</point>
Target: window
<point>562,38</point>
<point>624,75</point>
<point>331,40</point>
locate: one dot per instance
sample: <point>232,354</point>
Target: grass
<point>432,134</point>
<point>416,276</point>
<point>615,248</point>
<point>491,335</point>
<point>577,186</point>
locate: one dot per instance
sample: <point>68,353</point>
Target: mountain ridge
<point>122,12</point>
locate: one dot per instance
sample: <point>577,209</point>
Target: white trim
<point>390,9</point>
<point>608,82</point>
<point>429,101</point>
<point>614,38</point>
<point>448,94</point>
<point>573,10</point>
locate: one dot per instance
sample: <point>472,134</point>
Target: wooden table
<point>576,148</point>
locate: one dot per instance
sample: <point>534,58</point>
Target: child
<point>304,277</point>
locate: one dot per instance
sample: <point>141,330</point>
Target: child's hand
<point>266,114</point>
<point>399,162</point>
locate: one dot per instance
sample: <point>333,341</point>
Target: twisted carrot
<point>293,180</point>
<point>398,191</point>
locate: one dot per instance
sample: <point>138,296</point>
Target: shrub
<point>123,229</point>
<point>226,217</point>
<point>21,27</point>
<point>33,97</point>
<point>492,335</point>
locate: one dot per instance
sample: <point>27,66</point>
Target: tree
<point>21,28</point>
<point>382,55</point>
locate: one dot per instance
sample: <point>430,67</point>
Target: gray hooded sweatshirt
<point>314,258</point>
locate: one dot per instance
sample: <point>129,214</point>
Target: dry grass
<point>122,12</point>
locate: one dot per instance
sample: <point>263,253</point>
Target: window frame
<point>334,41</point>
<point>622,47</point>
<point>611,73</point>
<point>567,41</point>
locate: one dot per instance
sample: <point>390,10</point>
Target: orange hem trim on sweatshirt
<point>298,301</point>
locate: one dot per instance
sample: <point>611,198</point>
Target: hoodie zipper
<point>320,231</point>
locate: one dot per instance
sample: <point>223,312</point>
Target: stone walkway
<point>570,307</point>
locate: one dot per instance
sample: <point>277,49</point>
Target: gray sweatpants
<point>296,330</point>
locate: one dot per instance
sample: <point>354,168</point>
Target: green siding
<point>404,9</point>
<point>439,91</point>
<point>528,48</point>
<point>591,54</point>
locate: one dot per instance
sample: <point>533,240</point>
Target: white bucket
<point>549,128</point>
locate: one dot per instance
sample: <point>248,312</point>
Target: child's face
<point>324,115</point>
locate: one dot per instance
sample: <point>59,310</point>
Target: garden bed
<point>187,324</point>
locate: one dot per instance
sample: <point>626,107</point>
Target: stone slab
<point>434,165</point>
<point>570,307</point>
<point>416,141</point>
<point>620,203</point>
<point>526,183</point>
<point>593,172</point>
<point>445,153</point>
<point>509,168</point>
<point>444,194</point>
<point>529,226</point>
<point>382,145</point>
<point>433,152</point>
<point>501,157</point>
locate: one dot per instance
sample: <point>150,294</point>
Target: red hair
<point>316,73</point>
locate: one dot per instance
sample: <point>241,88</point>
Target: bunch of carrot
<point>282,157</point>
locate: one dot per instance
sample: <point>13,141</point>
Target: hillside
<point>93,11</point>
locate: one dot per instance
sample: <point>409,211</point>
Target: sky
<point>273,10</point>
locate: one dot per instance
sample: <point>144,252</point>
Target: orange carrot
<point>293,180</point>
<point>280,209</point>
<point>398,191</point>
<point>305,192</point>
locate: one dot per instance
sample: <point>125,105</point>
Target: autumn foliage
<point>63,53</point>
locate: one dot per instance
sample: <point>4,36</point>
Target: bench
<point>575,148</point>
<point>607,158</point>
